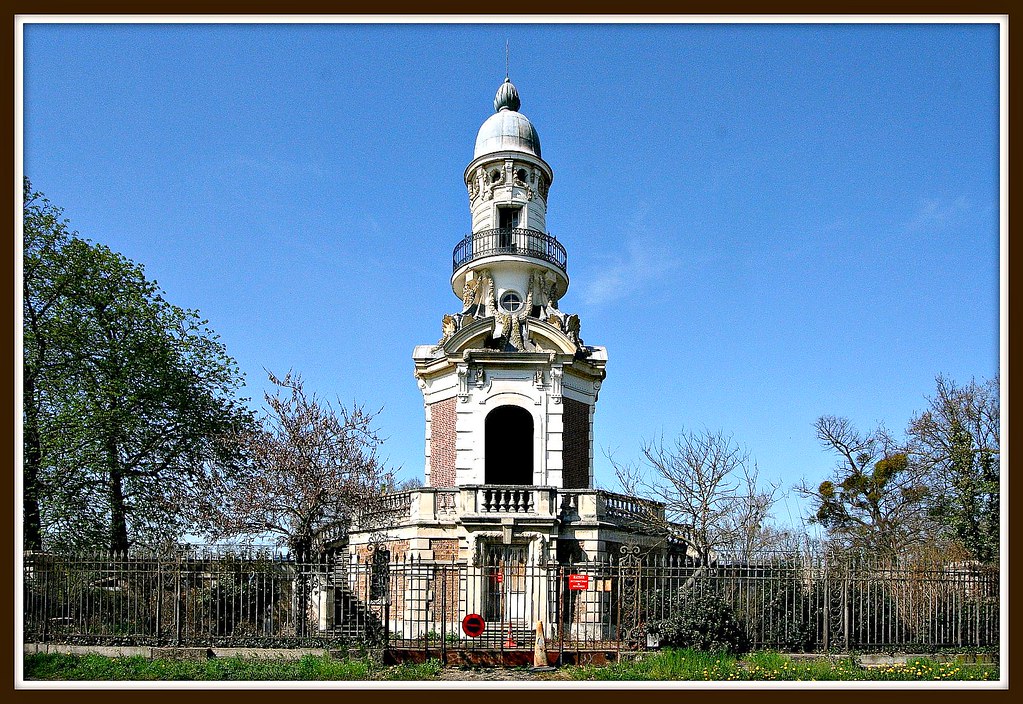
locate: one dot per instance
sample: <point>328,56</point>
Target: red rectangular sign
<point>578,582</point>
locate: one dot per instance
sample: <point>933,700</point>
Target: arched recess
<point>508,450</point>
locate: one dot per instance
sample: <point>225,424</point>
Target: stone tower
<point>510,388</point>
<point>509,392</point>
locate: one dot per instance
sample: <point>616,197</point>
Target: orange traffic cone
<point>540,663</point>
<point>510,642</point>
<point>540,649</point>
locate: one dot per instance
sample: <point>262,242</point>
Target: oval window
<point>511,302</point>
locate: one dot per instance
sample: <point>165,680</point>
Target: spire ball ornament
<point>507,97</point>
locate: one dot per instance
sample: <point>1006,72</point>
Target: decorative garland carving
<point>469,293</point>
<point>487,284</point>
<point>572,328</point>
<point>448,327</point>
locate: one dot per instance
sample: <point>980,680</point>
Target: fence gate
<point>631,629</point>
<point>508,594</point>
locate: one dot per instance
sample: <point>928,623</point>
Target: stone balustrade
<point>431,505</point>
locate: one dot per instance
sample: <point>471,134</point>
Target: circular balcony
<point>513,241</point>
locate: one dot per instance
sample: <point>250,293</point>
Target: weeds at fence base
<point>486,658</point>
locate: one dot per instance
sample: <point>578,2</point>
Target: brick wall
<point>576,445</point>
<point>442,443</point>
<point>397,548</point>
<point>445,549</point>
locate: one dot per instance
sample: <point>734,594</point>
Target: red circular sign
<point>473,625</point>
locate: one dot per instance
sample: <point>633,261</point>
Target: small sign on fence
<point>578,582</point>
<point>473,625</point>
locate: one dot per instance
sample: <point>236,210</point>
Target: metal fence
<point>217,598</point>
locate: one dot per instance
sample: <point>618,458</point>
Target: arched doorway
<point>508,451</point>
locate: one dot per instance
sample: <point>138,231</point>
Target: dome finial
<point>507,97</point>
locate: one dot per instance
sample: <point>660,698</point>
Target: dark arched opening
<point>509,446</point>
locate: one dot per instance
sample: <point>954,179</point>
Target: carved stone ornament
<point>541,546</point>
<point>536,284</point>
<point>480,182</point>
<point>572,328</point>
<point>487,288</point>
<point>515,339</point>
<point>556,377</point>
<point>495,181</point>
<point>552,292</point>
<point>463,382</point>
<point>476,545</point>
<point>543,186</point>
<point>469,292</point>
<point>448,326</point>
<point>501,323</point>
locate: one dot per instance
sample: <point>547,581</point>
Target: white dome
<point>507,130</point>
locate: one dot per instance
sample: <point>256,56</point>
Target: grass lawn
<point>767,666</point>
<point>666,665</point>
<point>57,666</point>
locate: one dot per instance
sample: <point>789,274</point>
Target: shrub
<point>701,621</point>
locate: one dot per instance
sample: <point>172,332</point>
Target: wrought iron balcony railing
<point>529,243</point>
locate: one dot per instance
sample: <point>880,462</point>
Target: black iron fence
<point>519,241</point>
<point>252,598</point>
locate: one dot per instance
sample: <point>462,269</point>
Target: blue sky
<point>764,223</point>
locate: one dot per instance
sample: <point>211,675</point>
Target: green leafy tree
<point>957,438</point>
<point>54,262</point>
<point>129,401</point>
<point>878,499</point>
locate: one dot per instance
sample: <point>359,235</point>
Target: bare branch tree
<point>709,487</point>
<point>310,469</point>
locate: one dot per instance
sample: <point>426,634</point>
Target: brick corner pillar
<point>577,441</point>
<point>442,443</point>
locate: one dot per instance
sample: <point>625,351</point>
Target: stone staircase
<point>353,621</point>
